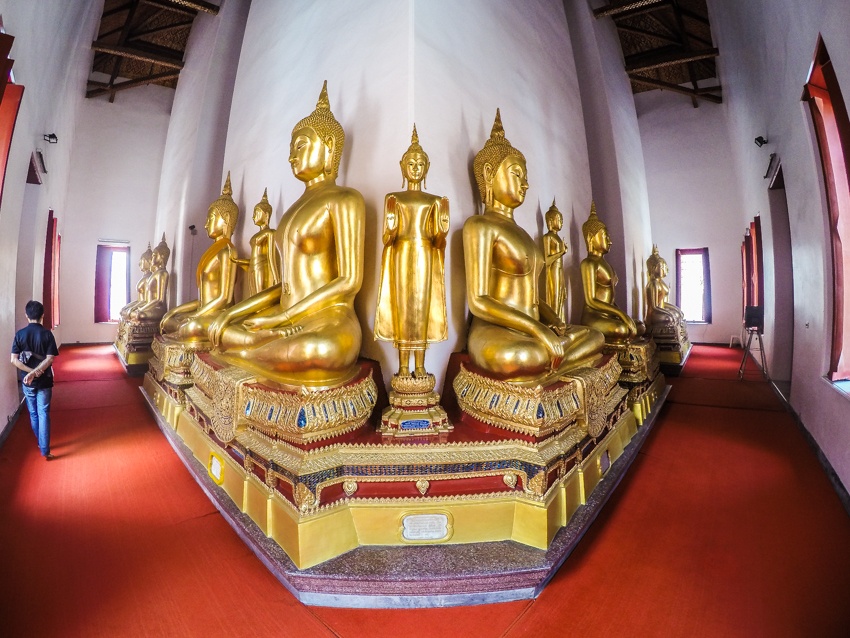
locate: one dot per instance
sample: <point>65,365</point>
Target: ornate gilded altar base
<point>170,374</point>
<point>641,374</point>
<point>133,344</point>
<point>414,408</point>
<point>319,491</point>
<point>673,347</point>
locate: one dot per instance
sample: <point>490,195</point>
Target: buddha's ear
<point>488,172</point>
<point>330,144</point>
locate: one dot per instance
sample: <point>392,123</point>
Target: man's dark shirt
<point>38,340</point>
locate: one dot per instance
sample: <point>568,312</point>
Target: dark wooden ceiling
<point>667,45</point>
<point>141,42</point>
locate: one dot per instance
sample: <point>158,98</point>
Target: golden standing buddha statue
<point>599,281</point>
<point>216,275</point>
<point>554,250</point>
<point>412,294</point>
<point>264,263</point>
<point>156,287</point>
<point>141,291</point>
<point>305,331</point>
<point>513,335</point>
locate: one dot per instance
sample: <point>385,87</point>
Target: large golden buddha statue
<point>141,290</point>
<point>216,275</point>
<point>305,331</point>
<point>513,334</point>
<point>264,264</point>
<point>554,250</point>
<point>155,287</point>
<point>599,281</point>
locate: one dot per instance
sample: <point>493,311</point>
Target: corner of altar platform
<point>312,464</point>
<point>133,344</point>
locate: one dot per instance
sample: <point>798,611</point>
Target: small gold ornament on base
<point>414,409</point>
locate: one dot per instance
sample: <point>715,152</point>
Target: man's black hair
<point>34,310</point>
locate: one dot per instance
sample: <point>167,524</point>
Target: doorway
<point>783,284</point>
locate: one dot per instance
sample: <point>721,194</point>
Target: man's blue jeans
<point>38,404</point>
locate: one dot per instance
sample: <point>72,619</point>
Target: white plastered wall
<point>115,169</point>
<point>446,65</point>
<point>694,195</point>
<point>766,51</point>
<point>617,167</point>
<point>52,53</point>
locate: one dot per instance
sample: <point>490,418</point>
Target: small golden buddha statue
<point>264,263</point>
<point>659,311</point>
<point>156,286</point>
<point>141,291</point>
<point>513,335</point>
<point>305,331</point>
<point>216,275</point>
<point>412,294</point>
<point>554,250</point>
<point>599,281</point>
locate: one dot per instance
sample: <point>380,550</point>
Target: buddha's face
<point>216,226</point>
<point>509,182</point>
<point>144,263</point>
<point>156,261</point>
<point>414,167</point>
<point>662,269</point>
<point>308,154</point>
<point>555,222</point>
<point>261,217</point>
<point>600,242</point>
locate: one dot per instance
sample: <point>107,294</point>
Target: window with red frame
<point>693,284</point>
<point>832,130</point>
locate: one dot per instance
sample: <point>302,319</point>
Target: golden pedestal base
<point>133,344</point>
<point>578,397</point>
<point>672,342</point>
<point>415,408</point>
<point>641,374</point>
<point>318,498</point>
<point>321,502</point>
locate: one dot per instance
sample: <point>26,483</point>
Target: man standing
<point>33,350</point>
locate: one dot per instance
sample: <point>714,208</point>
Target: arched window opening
<point>832,129</point>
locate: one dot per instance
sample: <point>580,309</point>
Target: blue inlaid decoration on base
<point>414,424</point>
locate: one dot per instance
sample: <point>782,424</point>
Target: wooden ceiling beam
<point>634,7</point>
<point>124,7</point>
<point>648,34</point>
<point>164,29</point>
<point>694,16</point>
<point>704,93</point>
<point>653,60</point>
<point>184,6</point>
<point>136,54</point>
<point>104,88</point>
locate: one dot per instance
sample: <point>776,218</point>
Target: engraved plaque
<point>425,527</point>
<point>216,469</point>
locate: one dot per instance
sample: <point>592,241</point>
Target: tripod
<point>753,331</point>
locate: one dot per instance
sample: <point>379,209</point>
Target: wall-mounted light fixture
<point>760,141</point>
<point>50,138</point>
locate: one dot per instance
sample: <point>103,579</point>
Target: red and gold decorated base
<point>133,345</point>
<point>414,409</point>
<point>641,374</point>
<point>319,496</point>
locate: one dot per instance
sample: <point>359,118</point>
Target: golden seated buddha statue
<point>305,331</point>
<point>216,275</point>
<point>264,264</point>
<point>599,281</point>
<point>155,287</point>
<point>145,266</point>
<point>514,335</point>
<point>665,322</point>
